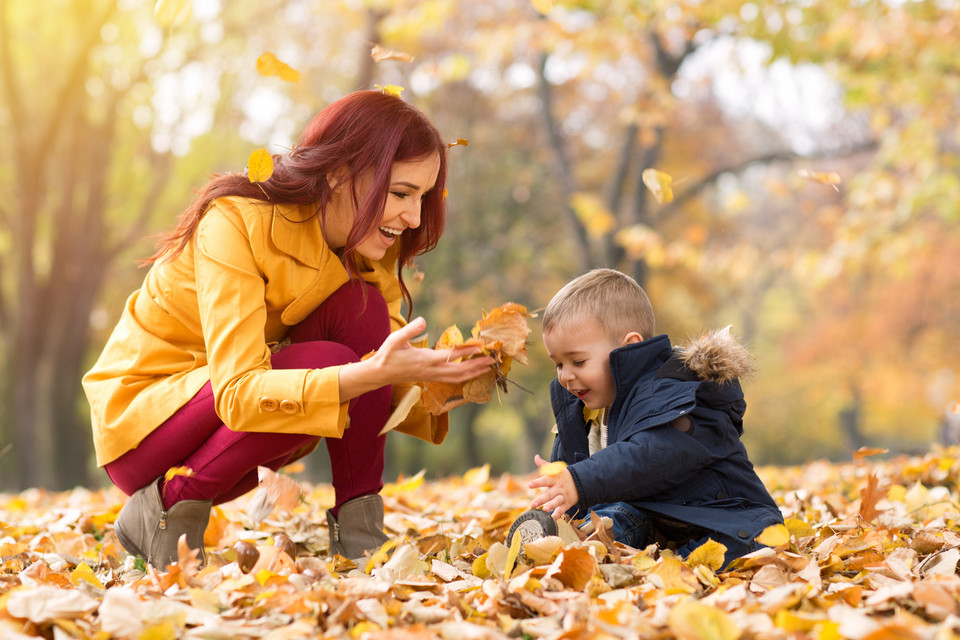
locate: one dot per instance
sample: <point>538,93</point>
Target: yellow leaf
<point>823,177</point>
<point>479,567</point>
<point>710,553</point>
<point>402,410</point>
<point>390,89</point>
<point>379,54</point>
<point>478,476</point>
<point>364,627</point>
<point>593,213</point>
<point>460,141</point>
<point>269,65</point>
<point>380,555</point>
<point>543,7</point>
<point>658,183</point>
<point>512,555</point>
<point>160,631</point>
<point>774,535</point>
<point>85,573</point>
<point>406,486</point>
<point>170,13</point>
<point>173,472</point>
<point>260,166</point>
<point>692,620</point>
<point>553,468</point>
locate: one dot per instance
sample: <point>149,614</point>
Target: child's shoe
<point>532,525</point>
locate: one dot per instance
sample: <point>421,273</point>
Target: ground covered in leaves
<point>870,551</point>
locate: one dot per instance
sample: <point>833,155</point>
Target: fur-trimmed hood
<point>717,356</point>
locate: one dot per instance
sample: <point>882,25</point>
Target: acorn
<point>285,544</point>
<point>247,555</point>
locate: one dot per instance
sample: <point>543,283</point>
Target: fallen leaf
<point>692,620</point>
<point>774,535</point>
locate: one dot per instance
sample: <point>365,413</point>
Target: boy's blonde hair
<point>610,299</point>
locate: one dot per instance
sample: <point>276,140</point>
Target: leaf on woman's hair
<point>460,142</point>
<point>268,64</point>
<point>260,166</point>
<point>390,89</point>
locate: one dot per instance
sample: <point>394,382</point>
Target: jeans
<point>637,529</point>
<point>353,321</point>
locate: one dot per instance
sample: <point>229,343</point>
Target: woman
<point>248,340</point>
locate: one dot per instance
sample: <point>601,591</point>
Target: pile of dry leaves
<point>870,550</point>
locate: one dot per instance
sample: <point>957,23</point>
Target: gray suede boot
<point>358,527</point>
<point>145,529</point>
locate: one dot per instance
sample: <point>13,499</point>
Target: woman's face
<point>409,183</point>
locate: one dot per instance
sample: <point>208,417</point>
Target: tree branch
<point>777,156</point>
<point>562,162</point>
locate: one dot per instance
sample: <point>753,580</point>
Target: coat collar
<point>295,230</point>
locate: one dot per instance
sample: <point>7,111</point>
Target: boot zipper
<point>163,520</point>
<point>336,531</point>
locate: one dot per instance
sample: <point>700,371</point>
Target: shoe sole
<point>532,525</point>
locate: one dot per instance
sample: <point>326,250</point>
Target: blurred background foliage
<point>845,288</point>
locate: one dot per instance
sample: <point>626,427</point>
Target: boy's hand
<point>559,491</point>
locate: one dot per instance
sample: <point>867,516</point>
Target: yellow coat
<point>252,270</point>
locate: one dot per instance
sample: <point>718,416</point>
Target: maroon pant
<point>350,323</point>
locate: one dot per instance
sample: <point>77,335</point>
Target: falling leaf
<point>774,535</point>
<point>173,472</point>
<point>269,65</point>
<point>460,141</point>
<point>865,452</point>
<point>658,183</point>
<point>380,53</point>
<point>390,89</point>
<point>593,213</point>
<point>260,166</point>
<point>830,178</point>
<point>170,13</point>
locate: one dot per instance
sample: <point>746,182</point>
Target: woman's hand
<point>399,361</point>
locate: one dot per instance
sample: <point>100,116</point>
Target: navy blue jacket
<point>674,448</point>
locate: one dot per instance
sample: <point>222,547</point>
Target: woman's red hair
<point>363,131</point>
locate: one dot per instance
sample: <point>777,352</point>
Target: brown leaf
<point>869,496</point>
<point>380,53</point>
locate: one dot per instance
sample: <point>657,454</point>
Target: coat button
<point>268,404</point>
<point>289,406</point>
<point>743,534</point>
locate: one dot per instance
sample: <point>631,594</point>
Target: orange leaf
<point>507,326</point>
<point>460,141</point>
<point>869,496</point>
<point>823,177</point>
<point>864,452</point>
<point>380,54</point>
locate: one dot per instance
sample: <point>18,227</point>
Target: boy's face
<point>581,354</point>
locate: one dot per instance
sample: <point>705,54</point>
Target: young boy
<point>650,434</point>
